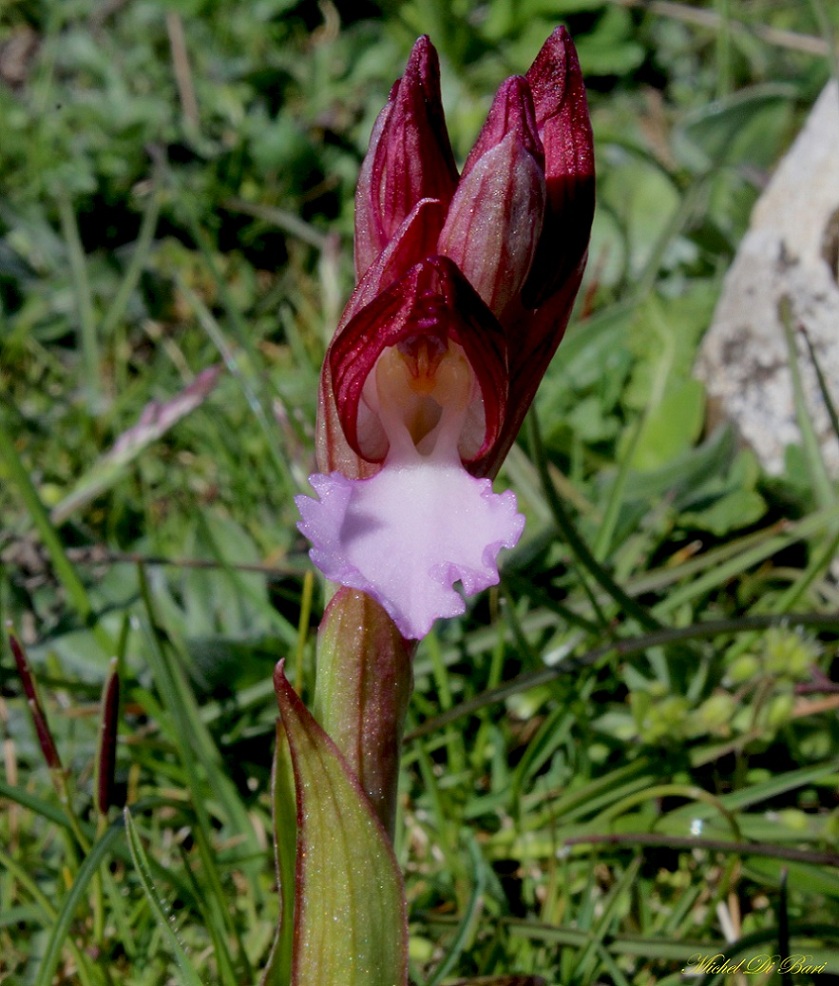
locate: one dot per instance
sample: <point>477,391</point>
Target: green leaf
<point>611,48</point>
<point>743,126</point>
<point>736,509</point>
<point>278,970</point>
<point>671,427</point>
<point>349,923</point>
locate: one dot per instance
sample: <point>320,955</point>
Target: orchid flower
<point>465,287</point>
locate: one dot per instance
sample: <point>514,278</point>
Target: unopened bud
<point>36,710</point>
<point>409,158</point>
<point>108,728</point>
<point>496,215</point>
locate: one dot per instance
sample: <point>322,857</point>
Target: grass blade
<point>64,569</point>
<point>576,543</point>
<point>188,974</point>
<point>823,491</point>
<point>94,859</point>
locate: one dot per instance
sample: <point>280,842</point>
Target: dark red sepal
<point>562,116</point>
<point>415,239</point>
<point>432,299</point>
<point>410,157</point>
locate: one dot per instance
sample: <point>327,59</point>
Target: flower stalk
<point>364,682</point>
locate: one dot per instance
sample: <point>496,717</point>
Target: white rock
<point>790,251</point>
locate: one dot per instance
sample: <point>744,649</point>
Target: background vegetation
<point>626,756</point>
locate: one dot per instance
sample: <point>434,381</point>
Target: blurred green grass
<point>594,742</point>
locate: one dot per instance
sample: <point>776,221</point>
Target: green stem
<point>723,49</point>
<point>362,689</point>
<point>87,322</point>
<point>303,628</point>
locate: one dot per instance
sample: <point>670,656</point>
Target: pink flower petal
<point>407,534</point>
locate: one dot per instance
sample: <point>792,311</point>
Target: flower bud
<point>562,117</point>
<point>495,218</point>
<point>106,757</point>
<point>410,157</point>
<point>36,709</point>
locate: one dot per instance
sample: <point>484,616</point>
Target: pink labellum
<point>406,535</point>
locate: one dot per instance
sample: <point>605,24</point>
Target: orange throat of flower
<point>423,389</point>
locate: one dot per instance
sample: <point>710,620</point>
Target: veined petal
<point>562,117</point>
<point>407,534</point>
<point>410,157</point>
<point>538,335</point>
<point>415,239</point>
<point>535,319</point>
<point>494,223</point>
<point>495,217</point>
<point>512,111</point>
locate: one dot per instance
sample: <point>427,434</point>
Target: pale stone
<point>790,251</point>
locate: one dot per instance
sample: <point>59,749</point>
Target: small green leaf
<point>671,427</point>
<point>350,924</point>
<point>734,510</point>
<point>611,48</point>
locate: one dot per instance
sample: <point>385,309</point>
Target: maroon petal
<point>415,239</point>
<point>409,158</point>
<point>433,300</point>
<point>534,337</point>
<point>565,128</point>
<point>495,217</point>
<point>512,111</point>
